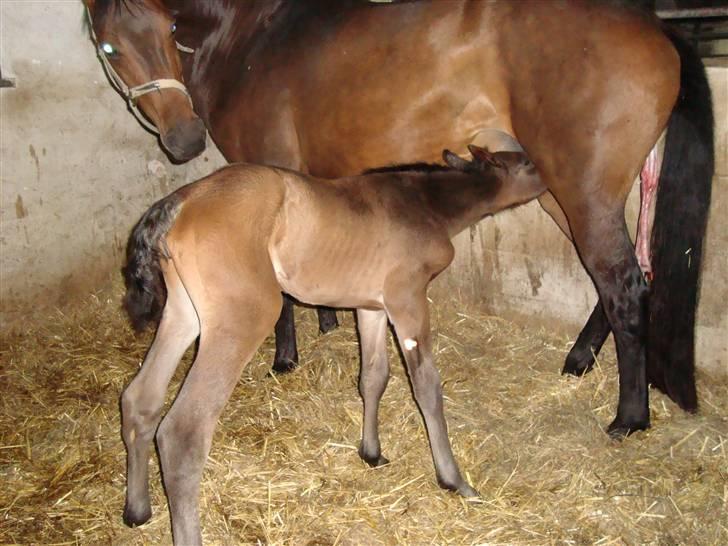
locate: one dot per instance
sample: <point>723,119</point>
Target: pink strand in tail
<point>648,189</point>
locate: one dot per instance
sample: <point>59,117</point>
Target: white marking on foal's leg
<point>410,343</point>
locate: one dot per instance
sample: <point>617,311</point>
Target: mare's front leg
<point>580,359</point>
<point>410,316</point>
<point>372,379</point>
<point>286,358</point>
<point>327,319</point>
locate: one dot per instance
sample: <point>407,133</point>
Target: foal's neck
<point>460,199</point>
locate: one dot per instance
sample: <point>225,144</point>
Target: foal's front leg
<point>410,317</point>
<point>372,380</point>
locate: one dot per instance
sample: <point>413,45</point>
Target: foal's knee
<point>139,417</point>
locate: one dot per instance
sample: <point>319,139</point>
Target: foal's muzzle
<point>185,140</point>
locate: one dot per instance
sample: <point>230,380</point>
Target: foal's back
<point>373,225</point>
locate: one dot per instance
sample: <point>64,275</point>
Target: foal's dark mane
<point>410,167</point>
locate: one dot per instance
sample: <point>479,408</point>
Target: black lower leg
<point>580,359</point>
<point>327,319</point>
<point>629,314</point>
<point>286,358</point>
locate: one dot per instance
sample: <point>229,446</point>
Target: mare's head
<point>136,45</point>
<point>514,169</point>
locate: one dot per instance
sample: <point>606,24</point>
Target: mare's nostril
<point>186,140</point>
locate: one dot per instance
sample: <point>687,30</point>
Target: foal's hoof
<point>132,517</point>
<point>373,460</point>
<point>464,489</point>
<point>619,429</point>
<point>284,365</point>
<point>578,362</point>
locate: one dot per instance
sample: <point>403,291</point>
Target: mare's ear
<point>482,155</point>
<point>455,161</point>
<point>89,4</point>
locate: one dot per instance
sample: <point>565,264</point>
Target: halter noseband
<point>131,94</point>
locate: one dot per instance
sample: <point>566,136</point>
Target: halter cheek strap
<point>131,94</point>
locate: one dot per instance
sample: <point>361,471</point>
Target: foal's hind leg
<point>372,380</point>
<point>410,317</point>
<point>142,400</point>
<point>227,342</point>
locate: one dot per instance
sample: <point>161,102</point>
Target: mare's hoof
<point>132,517</point>
<point>619,430</point>
<point>327,320</point>
<point>578,363</point>
<point>373,460</point>
<point>464,489</point>
<point>284,365</point>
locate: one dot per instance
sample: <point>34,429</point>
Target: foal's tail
<point>146,292</point>
<point>681,215</point>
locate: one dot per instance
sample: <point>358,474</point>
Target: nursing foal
<point>212,259</point>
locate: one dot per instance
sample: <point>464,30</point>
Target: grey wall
<point>77,170</point>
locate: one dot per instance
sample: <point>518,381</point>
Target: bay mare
<point>211,260</point>
<point>588,89</point>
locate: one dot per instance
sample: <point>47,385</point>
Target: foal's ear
<point>455,161</point>
<point>482,155</point>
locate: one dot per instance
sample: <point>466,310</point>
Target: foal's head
<point>514,164</point>
<point>514,170</point>
<point>136,45</point>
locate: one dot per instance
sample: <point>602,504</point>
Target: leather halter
<point>131,94</point>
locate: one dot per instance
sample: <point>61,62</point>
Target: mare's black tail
<point>681,214</point>
<point>146,292</point>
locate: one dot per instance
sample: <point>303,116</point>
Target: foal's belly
<point>331,276</point>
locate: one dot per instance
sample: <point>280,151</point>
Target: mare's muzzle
<point>185,140</point>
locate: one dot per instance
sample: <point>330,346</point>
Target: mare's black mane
<point>102,8</point>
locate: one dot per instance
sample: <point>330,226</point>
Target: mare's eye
<point>110,50</point>
<point>174,28</point>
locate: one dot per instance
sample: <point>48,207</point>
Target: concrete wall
<point>77,170</point>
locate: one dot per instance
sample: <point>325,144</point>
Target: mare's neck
<point>458,199</point>
<point>218,31</point>
<point>227,37</point>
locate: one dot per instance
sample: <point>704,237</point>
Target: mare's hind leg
<point>410,316</point>
<point>601,237</point>
<point>580,359</point>
<point>372,380</point>
<point>228,340</point>
<point>142,400</point>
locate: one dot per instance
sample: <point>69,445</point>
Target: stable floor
<point>284,468</point>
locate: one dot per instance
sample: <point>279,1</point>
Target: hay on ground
<point>284,466</point>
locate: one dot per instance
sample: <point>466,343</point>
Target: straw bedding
<point>284,468</point>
